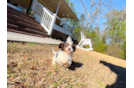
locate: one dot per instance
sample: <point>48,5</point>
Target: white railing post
<point>33,4</point>
<point>52,24</point>
<point>58,8</point>
<point>73,27</point>
<point>66,23</point>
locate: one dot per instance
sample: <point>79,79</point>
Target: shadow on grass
<point>121,75</point>
<point>75,65</point>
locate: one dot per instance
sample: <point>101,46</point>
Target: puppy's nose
<point>69,49</point>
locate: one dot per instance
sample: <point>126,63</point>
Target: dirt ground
<point>29,66</point>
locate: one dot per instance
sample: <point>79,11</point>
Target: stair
<point>22,23</point>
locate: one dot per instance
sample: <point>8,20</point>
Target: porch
<point>51,17</point>
<point>54,16</point>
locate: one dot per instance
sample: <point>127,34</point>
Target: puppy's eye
<point>66,45</point>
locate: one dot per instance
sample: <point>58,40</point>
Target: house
<point>48,19</point>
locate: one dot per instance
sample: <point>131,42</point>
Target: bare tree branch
<point>96,10</point>
<point>92,3</point>
<point>84,6</point>
<point>94,13</point>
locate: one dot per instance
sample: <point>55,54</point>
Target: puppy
<point>64,56</point>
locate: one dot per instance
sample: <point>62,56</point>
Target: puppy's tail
<point>53,51</point>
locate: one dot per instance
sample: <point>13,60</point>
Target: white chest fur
<point>65,58</point>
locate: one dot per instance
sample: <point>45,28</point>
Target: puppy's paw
<point>66,69</point>
<point>53,63</point>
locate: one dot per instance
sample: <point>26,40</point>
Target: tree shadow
<point>75,65</point>
<point>121,75</point>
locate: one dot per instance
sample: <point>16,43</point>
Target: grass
<point>34,68</point>
<point>55,84</point>
<point>31,43</point>
<point>86,47</point>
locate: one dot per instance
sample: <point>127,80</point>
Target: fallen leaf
<point>24,56</point>
<point>11,79</point>
<point>85,73</point>
<point>33,67</point>
<point>54,71</point>
<point>70,79</point>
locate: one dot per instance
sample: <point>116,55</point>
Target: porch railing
<point>47,18</point>
<point>43,16</point>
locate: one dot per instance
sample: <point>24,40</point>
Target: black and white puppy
<point>64,56</point>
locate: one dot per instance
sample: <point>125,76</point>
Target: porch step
<point>21,32</point>
<point>23,23</point>
<point>14,27</point>
<point>17,18</point>
<point>18,13</point>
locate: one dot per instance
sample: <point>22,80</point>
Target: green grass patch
<point>13,43</point>
<point>8,68</point>
<point>8,72</point>
<point>71,86</point>
<point>31,43</point>
<point>25,83</point>
<point>23,75</point>
<point>100,83</point>
<point>86,47</point>
<point>14,74</point>
<point>33,60</point>
<point>50,73</point>
<point>56,68</point>
<point>55,84</point>
<point>79,84</point>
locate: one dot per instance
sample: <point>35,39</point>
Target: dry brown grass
<point>29,66</point>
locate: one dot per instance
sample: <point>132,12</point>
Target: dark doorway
<point>8,1</point>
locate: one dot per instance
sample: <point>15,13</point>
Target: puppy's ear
<point>61,45</point>
<point>74,48</point>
